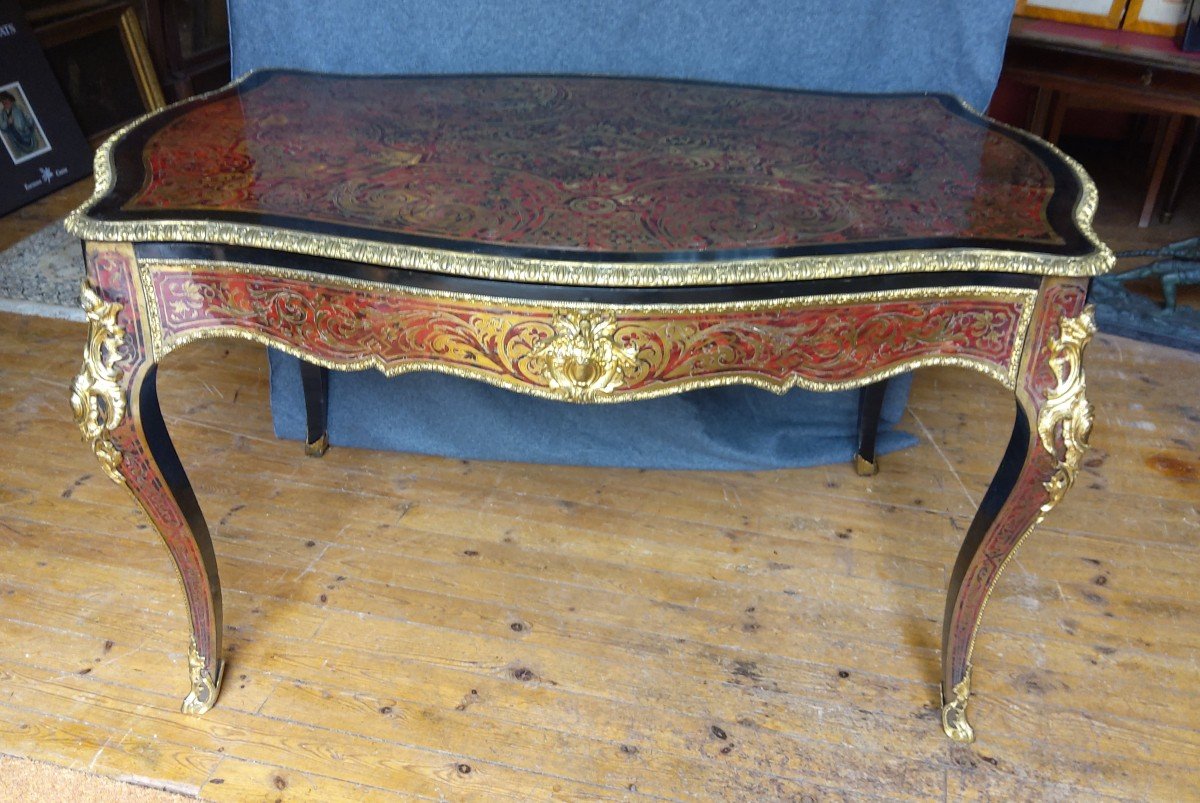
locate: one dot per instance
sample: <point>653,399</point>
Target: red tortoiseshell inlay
<point>823,342</point>
<point>596,165</point>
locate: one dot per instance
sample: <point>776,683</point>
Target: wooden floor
<point>427,628</point>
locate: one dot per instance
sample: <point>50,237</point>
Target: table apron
<point>590,352</point>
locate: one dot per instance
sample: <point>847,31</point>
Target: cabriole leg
<point>115,403</point>
<point>1053,422</point>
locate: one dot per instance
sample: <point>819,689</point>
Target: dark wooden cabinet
<point>1073,65</point>
<point>188,40</point>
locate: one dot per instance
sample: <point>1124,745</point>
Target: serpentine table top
<point>592,240</point>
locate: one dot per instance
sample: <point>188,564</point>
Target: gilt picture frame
<point>103,66</point>
<point>1157,17</point>
<point>22,132</point>
<point>1096,13</point>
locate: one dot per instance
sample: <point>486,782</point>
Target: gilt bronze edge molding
<point>611,274</point>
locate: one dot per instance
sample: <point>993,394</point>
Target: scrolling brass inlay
<point>1067,405</point>
<point>96,397</point>
<point>583,359</point>
<point>589,352</point>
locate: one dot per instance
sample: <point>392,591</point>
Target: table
<point>591,240</point>
<point>1120,70</point>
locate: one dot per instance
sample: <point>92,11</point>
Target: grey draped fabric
<point>952,46</point>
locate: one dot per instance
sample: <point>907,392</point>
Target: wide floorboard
<point>412,626</point>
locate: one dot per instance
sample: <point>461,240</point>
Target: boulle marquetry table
<point>590,240</point>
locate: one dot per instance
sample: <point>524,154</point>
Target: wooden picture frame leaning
<point>103,66</point>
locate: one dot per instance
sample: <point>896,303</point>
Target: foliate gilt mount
<point>954,712</point>
<point>96,397</point>
<point>1067,404</point>
<point>204,686</point>
<point>582,359</point>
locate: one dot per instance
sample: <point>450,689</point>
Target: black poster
<point>43,148</point>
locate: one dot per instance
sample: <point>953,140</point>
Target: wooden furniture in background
<point>189,40</point>
<point>1077,65</point>
<point>101,62</point>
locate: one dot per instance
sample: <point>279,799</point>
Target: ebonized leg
<point>315,379</point>
<point>1049,437</point>
<point>967,596</point>
<point>157,480</point>
<point>870,403</point>
<point>115,402</point>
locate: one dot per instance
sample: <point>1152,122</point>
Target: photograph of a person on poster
<point>19,127</point>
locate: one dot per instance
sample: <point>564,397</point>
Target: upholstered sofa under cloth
<point>952,46</point>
